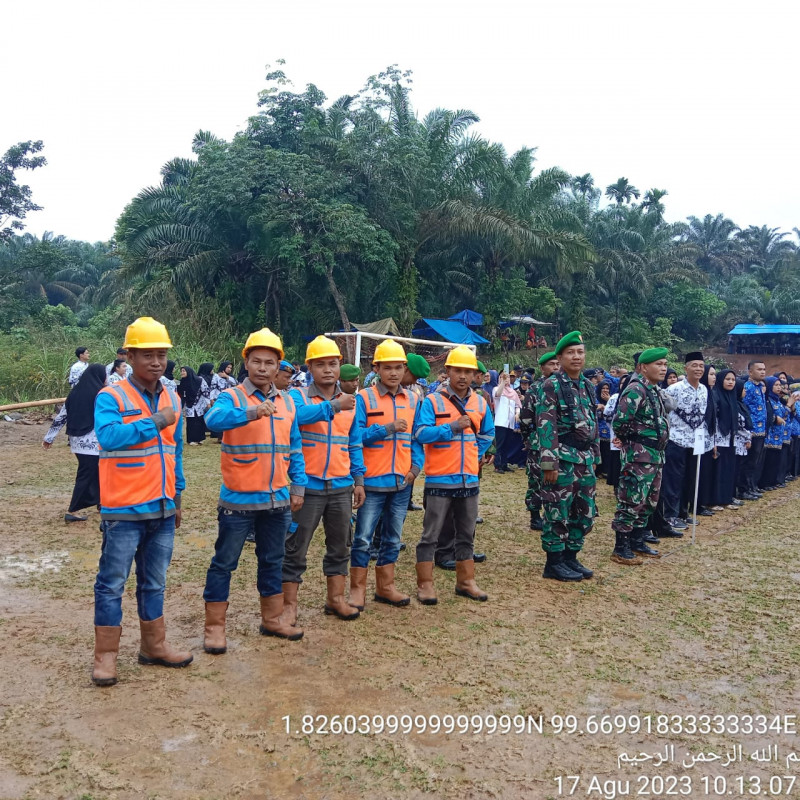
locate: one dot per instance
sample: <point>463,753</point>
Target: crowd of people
<point>316,443</point>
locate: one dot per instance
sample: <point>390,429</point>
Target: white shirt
<point>688,415</point>
<point>76,370</point>
<point>128,369</point>
<point>505,410</point>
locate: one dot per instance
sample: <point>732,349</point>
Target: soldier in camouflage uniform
<point>641,425</point>
<point>527,426</point>
<point>569,448</point>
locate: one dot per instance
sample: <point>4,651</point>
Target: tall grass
<point>35,360</point>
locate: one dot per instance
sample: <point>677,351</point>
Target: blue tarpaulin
<point>763,330</point>
<point>472,319</point>
<point>448,330</point>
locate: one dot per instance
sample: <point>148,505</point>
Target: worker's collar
<point>448,390</point>
<point>383,389</point>
<point>314,391</point>
<point>140,387</point>
<point>251,389</point>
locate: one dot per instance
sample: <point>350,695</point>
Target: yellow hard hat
<point>146,333</point>
<point>389,350</point>
<point>461,356</point>
<point>263,338</point>
<point>322,347</point>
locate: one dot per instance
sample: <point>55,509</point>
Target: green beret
<point>653,354</point>
<point>349,372</point>
<point>572,338</point>
<point>546,357</point>
<point>418,366</point>
<point>482,367</point>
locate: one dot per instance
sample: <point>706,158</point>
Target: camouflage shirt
<point>641,423</point>
<point>527,417</point>
<point>566,421</point>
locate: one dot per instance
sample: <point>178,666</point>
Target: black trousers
<point>87,483</point>
<point>770,475</point>
<point>677,486</point>
<point>755,463</point>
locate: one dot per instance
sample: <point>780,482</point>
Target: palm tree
<point>716,251</point>
<point>767,254</point>
<point>622,191</point>
<point>652,202</point>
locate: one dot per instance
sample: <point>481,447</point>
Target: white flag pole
<point>696,493</point>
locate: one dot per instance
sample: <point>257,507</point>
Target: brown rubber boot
<point>426,593</point>
<point>385,590</point>
<point>336,604</point>
<point>106,647</point>
<point>214,632</point>
<point>289,616</point>
<point>154,648</point>
<point>271,623</point>
<point>358,587</point>
<point>465,581</point>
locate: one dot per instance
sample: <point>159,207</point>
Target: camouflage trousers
<point>533,497</point>
<point>637,495</point>
<point>568,507</point>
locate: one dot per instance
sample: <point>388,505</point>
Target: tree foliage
<point>319,214</point>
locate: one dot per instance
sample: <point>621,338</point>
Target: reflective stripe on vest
<point>392,455</point>
<point>144,472</point>
<point>326,444</point>
<point>255,457</point>
<point>459,456</point>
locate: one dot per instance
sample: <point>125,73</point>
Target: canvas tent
<point>469,318</point>
<point>449,330</point>
<point>387,327</point>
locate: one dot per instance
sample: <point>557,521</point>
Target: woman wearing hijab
<point>78,414</point>
<point>744,435</point>
<point>194,393</point>
<point>709,460</point>
<point>490,384</point>
<point>168,378</point>
<point>794,423</point>
<point>614,462</point>
<point>507,408</point>
<point>603,392</point>
<point>222,380</point>
<point>789,403</point>
<point>670,378</point>
<point>726,408</point>
<point>773,441</point>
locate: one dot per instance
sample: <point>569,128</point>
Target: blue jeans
<point>148,542</point>
<point>271,527</point>
<point>395,504</point>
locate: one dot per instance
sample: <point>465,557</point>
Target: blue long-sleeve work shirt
<point>389,482</point>
<point>427,431</point>
<point>225,415</point>
<point>309,413</point>
<point>115,434</point>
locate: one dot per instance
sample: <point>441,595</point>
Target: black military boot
<point>536,520</point>
<point>639,547</point>
<point>622,551</point>
<point>571,561</point>
<point>556,569</point>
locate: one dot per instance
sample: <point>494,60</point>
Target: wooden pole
<point>33,404</point>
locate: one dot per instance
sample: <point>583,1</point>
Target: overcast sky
<point>699,98</point>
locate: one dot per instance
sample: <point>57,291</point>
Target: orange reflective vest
<point>326,444</point>
<point>392,455</point>
<point>459,456</point>
<point>145,472</point>
<point>255,457</point>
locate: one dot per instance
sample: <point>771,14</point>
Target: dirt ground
<point>708,629</point>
